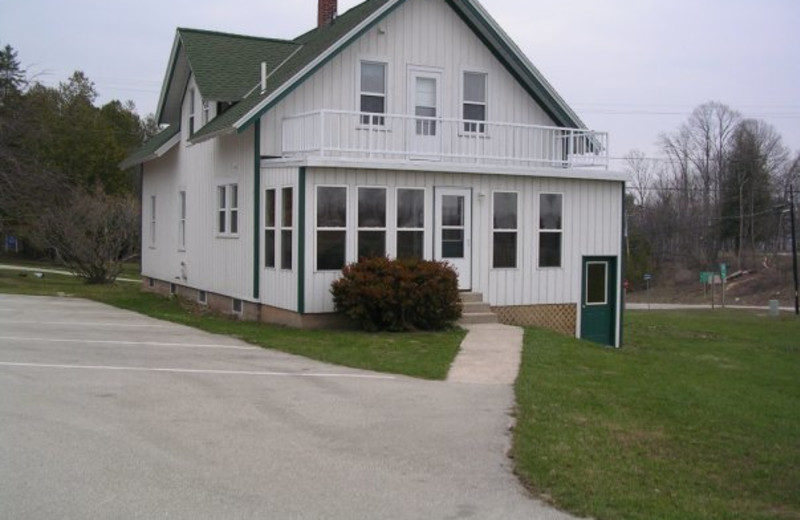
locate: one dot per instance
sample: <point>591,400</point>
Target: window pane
<point>332,207</point>
<point>426,111</point>
<point>221,221</point>
<point>286,249</point>
<point>549,249</point>
<point>475,112</point>
<point>371,243</point>
<point>269,208</point>
<point>410,244</point>
<point>269,248</point>
<point>330,250</point>
<point>234,189</point>
<point>505,211</point>
<point>549,211</point>
<point>410,208</point>
<point>287,207</point>
<point>183,204</point>
<point>373,77</point>
<point>596,283</point>
<point>452,210</point>
<point>371,207</point>
<point>475,87</point>
<point>234,221</point>
<point>452,243</point>
<point>221,201</point>
<point>426,92</point>
<point>505,250</point>
<point>373,104</point>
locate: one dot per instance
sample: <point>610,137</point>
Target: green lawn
<point>698,416</point>
<point>130,270</point>
<point>421,354</point>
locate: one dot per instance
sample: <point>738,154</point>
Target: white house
<point>401,128</point>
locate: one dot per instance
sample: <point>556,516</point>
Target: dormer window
<point>206,111</point>
<point>373,93</point>
<point>191,111</point>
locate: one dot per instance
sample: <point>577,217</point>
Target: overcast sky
<point>634,68</point>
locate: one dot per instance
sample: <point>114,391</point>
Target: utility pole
<point>794,252</point>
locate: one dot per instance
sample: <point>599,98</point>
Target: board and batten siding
<point>420,33</point>
<point>591,226</point>
<point>279,286</point>
<point>208,262</point>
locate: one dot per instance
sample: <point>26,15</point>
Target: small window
<point>410,223</point>
<point>596,278</point>
<point>152,220</point>
<point>191,112</point>
<point>373,93</point>
<point>475,102</point>
<point>202,297</point>
<point>331,228</point>
<point>228,209</point>
<point>182,220</point>
<point>287,211</point>
<point>269,228</point>
<point>173,288</point>
<point>505,224</point>
<point>236,306</point>
<point>371,222</point>
<point>550,229</point>
<point>206,111</point>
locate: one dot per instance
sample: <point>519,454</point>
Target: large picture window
<point>550,229</point>
<point>504,233</point>
<point>228,209</point>
<point>371,222</point>
<point>410,223</point>
<point>287,212</point>
<point>475,102</point>
<point>269,228</point>
<point>373,93</point>
<point>331,228</point>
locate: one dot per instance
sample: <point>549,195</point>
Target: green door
<point>599,300</point>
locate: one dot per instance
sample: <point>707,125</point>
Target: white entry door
<point>453,231</point>
<point>425,129</point>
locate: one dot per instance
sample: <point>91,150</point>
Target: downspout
<point>256,206</point>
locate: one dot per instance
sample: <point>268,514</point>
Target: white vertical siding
<point>592,224</point>
<point>420,33</point>
<point>279,286</point>
<point>209,262</point>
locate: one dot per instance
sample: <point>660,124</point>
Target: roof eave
<point>173,58</point>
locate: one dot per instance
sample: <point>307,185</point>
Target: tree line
<point>61,189</point>
<point>722,189</point>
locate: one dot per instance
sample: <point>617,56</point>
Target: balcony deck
<point>393,137</point>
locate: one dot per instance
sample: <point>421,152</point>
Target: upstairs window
<point>206,111</point>
<point>504,225</point>
<point>475,102</point>
<point>550,229</point>
<point>228,209</point>
<point>373,93</point>
<point>191,112</point>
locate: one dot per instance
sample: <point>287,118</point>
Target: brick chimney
<point>326,12</point>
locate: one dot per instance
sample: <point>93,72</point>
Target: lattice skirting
<point>560,318</point>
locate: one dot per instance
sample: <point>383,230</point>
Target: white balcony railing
<point>354,135</point>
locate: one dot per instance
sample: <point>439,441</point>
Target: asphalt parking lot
<point>109,414</point>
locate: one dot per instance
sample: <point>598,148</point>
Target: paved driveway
<point>108,414</point>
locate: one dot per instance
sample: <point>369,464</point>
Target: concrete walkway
<point>489,355</point>
<point>53,271</point>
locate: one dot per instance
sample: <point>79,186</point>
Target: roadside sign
<point>705,277</point>
<point>723,271</point>
<point>648,277</point>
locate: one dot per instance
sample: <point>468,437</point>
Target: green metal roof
<point>148,150</point>
<point>227,66</point>
<point>313,43</point>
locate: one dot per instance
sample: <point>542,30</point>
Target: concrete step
<point>475,307</point>
<point>478,318</point>
<point>468,297</point>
